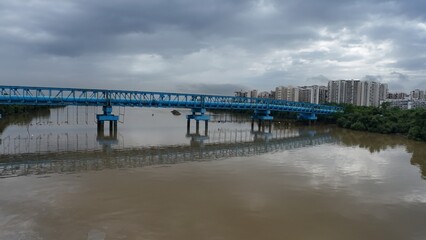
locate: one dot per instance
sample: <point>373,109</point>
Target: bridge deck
<point>23,95</point>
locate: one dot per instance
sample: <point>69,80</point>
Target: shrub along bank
<point>7,110</point>
<point>385,119</point>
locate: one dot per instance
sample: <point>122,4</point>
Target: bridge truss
<point>199,103</point>
<point>22,95</point>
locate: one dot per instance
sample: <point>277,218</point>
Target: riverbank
<point>387,120</point>
<point>6,110</point>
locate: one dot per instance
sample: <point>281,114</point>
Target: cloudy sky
<point>211,46</point>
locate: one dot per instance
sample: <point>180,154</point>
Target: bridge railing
<point>76,96</point>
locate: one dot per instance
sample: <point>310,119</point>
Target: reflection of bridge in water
<point>84,141</point>
<point>105,158</point>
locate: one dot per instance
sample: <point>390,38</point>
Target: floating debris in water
<point>176,112</point>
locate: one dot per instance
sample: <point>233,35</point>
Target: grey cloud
<point>372,78</point>
<point>320,79</point>
<point>400,76</point>
<point>218,89</point>
<point>415,63</point>
<point>91,26</point>
<point>399,81</point>
<point>411,9</point>
<point>285,42</point>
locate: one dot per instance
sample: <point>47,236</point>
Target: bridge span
<point>198,103</point>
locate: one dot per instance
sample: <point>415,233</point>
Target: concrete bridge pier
<point>100,126</point>
<point>197,126</point>
<point>107,116</point>
<point>198,114</point>
<point>263,117</point>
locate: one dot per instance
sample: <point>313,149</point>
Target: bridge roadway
<point>78,161</point>
<point>24,95</point>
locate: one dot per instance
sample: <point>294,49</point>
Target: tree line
<point>7,110</point>
<point>384,119</point>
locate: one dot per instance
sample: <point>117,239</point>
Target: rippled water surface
<point>61,180</point>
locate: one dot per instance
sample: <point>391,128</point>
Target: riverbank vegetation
<point>385,119</point>
<point>20,115</point>
<point>6,110</point>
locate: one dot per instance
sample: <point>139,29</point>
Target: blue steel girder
<point>307,116</point>
<point>198,114</point>
<point>23,95</point>
<point>262,115</point>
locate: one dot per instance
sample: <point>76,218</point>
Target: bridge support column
<point>197,126</point>
<point>107,116</point>
<point>115,128</point>
<point>262,116</point>
<point>198,114</point>
<point>100,128</point>
<point>270,125</point>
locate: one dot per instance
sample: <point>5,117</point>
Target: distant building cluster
<point>356,92</point>
<point>416,99</point>
<point>397,95</point>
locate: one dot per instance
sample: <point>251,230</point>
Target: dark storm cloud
<point>241,43</point>
<point>89,26</point>
<point>85,26</point>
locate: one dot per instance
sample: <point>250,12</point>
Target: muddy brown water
<point>59,180</point>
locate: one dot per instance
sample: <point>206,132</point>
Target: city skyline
<point>356,92</point>
<point>211,47</point>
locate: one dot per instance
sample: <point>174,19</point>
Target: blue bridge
<point>198,103</point>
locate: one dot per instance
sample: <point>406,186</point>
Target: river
<point>60,180</point>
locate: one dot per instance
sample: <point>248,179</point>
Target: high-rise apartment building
<point>305,94</point>
<point>313,94</point>
<point>345,91</point>
<point>241,93</point>
<point>360,93</point>
<point>253,93</point>
<point>370,94</point>
<point>383,92</point>
<point>397,95</point>
<point>264,94</point>
<point>417,94</point>
<point>319,95</point>
<point>287,93</point>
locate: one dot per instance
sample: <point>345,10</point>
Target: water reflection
<point>294,182</point>
<point>24,119</point>
<point>83,154</point>
<point>53,135</point>
<point>380,142</point>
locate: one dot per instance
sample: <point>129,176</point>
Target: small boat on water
<point>176,112</point>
